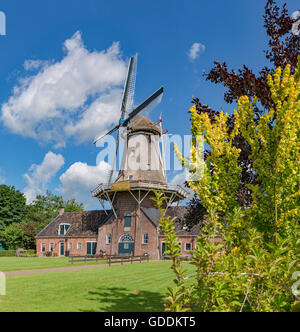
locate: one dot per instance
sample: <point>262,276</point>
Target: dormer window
<point>63,228</point>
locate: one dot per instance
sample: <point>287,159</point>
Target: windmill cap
<point>142,123</point>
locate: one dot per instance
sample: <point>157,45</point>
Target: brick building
<point>130,226</point>
<point>86,233</point>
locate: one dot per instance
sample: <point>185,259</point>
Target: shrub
<point>7,253</point>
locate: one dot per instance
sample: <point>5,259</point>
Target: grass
<point>31,263</point>
<point>126,288</point>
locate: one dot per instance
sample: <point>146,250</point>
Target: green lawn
<point>31,263</point>
<point>128,288</point>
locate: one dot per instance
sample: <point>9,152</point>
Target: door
<point>91,248</point>
<point>163,248</point>
<point>61,248</point>
<point>126,248</point>
<point>126,244</point>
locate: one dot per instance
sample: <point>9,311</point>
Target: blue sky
<point>62,64</point>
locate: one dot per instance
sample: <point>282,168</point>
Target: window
<point>43,247</point>
<point>146,238</point>
<point>91,247</point>
<point>63,228</point>
<point>70,245</point>
<point>79,246</point>
<point>127,223</point>
<point>51,247</point>
<point>108,238</point>
<point>188,246</point>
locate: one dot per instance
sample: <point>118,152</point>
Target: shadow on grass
<point>117,299</point>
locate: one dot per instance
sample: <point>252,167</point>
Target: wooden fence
<point>109,259</point>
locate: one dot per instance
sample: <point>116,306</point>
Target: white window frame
<point>79,245</point>
<point>189,244</point>
<point>144,238</point>
<point>70,245</point>
<point>43,245</point>
<point>63,224</point>
<point>50,249</point>
<point>108,239</point>
<point>91,247</point>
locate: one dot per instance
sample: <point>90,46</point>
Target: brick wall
<point>192,240</point>
<point>56,242</point>
<point>140,225</point>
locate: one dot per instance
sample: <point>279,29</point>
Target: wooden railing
<point>109,259</point>
<point>126,259</point>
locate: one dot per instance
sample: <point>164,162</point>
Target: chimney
<point>61,211</point>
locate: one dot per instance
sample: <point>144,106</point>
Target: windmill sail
<point>129,89</point>
<point>148,105</point>
<point>127,98</point>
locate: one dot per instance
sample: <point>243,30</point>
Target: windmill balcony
<point>168,189</point>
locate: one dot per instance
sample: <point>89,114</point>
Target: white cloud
<point>180,179</point>
<point>97,118</point>
<point>195,50</point>
<point>296,25</point>
<point>55,103</point>
<point>2,179</point>
<point>40,175</point>
<point>34,64</point>
<point>78,181</point>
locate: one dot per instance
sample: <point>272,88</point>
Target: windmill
<point>126,113</point>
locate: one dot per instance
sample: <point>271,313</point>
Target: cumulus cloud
<point>2,179</point>
<point>78,96</point>
<point>195,50</point>
<point>179,179</point>
<point>296,25</point>
<point>80,178</point>
<point>39,176</point>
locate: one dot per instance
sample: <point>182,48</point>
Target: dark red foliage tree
<point>283,48</point>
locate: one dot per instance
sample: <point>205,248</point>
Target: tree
<point>244,259</point>
<point>14,237</point>
<point>12,206</point>
<point>46,207</point>
<point>30,231</point>
<point>283,48</point>
<point>275,154</point>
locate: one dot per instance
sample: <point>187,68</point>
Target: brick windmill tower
<point>131,226</point>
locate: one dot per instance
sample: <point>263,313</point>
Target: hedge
<point>12,253</point>
<point>7,253</point>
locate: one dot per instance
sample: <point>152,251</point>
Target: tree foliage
<point>283,49</point>
<point>20,223</point>
<point>14,237</point>
<point>12,206</point>
<point>245,258</point>
<point>46,207</point>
